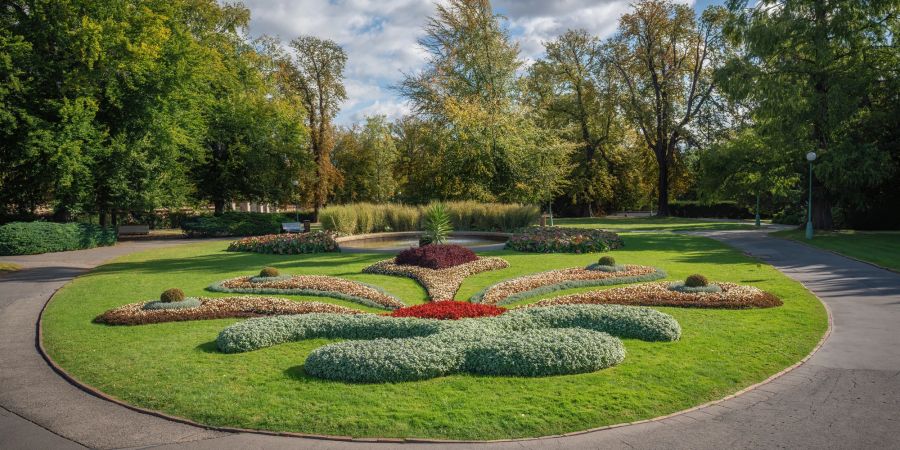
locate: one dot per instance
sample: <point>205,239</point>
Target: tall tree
<point>367,158</point>
<point>823,74</point>
<point>318,77</point>
<point>665,59</point>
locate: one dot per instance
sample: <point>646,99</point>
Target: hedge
<point>529,342</point>
<point>236,224</point>
<point>29,238</point>
<point>359,218</point>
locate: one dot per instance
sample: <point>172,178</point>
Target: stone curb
<point>39,338</point>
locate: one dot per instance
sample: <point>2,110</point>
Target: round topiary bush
<point>171,295</point>
<point>607,261</point>
<point>269,272</point>
<point>696,280</point>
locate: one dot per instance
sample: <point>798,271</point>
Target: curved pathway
<point>846,396</point>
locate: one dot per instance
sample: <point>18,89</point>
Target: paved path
<point>846,396</point>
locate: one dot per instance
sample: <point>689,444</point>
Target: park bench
<point>291,227</point>
<point>133,230</point>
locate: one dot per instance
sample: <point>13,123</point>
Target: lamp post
<point>811,156</point>
<point>757,207</point>
<point>296,183</point>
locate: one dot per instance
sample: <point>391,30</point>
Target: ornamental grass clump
<point>268,272</point>
<point>448,310</point>
<point>436,256</point>
<point>436,224</point>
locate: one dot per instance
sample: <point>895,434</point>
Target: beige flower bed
<point>733,296</point>
<point>543,282</point>
<point>218,308</point>
<point>441,284</point>
<point>321,285</point>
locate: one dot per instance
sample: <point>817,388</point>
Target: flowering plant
<point>287,244</point>
<point>448,310</point>
<point>436,256</point>
<point>563,240</point>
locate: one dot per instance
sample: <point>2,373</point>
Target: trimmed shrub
<point>171,295</point>
<point>189,302</point>
<point>236,224</point>
<point>436,256</point>
<point>269,272</point>
<point>607,261</point>
<point>357,218</point>
<point>448,310</point>
<point>563,240</point>
<point>531,342</point>
<point>30,238</point>
<point>287,244</point>
<point>696,280</point>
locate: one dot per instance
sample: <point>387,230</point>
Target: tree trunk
<point>102,217</point>
<point>663,187</point>
<point>821,207</point>
<point>219,206</point>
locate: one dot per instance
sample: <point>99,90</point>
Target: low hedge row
<point>358,218</point>
<point>287,244</point>
<point>528,342</point>
<point>236,224</point>
<point>29,238</point>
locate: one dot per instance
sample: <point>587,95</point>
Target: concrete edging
<point>39,338</point>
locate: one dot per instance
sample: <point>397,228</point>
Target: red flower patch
<point>436,256</point>
<point>448,310</point>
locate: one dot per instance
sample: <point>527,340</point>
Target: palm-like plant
<point>436,224</point>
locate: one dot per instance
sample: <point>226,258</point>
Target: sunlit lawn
<point>878,247</point>
<point>175,367</point>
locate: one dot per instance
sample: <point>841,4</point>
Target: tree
<point>367,157</point>
<point>317,76</point>
<point>665,60</point>
<point>823,75</point>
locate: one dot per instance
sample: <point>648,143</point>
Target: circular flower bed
<point>436,256</point>
<point>731,296</point>
<point>448,310</point>
<point>527,342</point>
<point>563,240</point>
<point>314,285</point>
<point>441,284</point>
<point>216,308</point>
<point>520,288</point>
<point>287,244</point>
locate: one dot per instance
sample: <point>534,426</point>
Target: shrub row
<point>358,218</point>
<point>29,238</point>
<point>526,342</point>
<point>563,240</point>
<point>436,256</point>
<point>287,244</point>
<point>236,224</point>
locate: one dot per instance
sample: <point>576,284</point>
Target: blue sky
<point>380,36</point>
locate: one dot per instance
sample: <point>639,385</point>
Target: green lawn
<point>174,367</point>
<point>878,247</point>
<point>652,223</point>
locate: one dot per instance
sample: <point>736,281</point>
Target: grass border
<point>39,338</point>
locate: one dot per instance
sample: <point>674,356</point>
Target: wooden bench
<point>132,230</point>
<point>291,227</point>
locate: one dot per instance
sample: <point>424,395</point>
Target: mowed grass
<point>175,367</point>
<point>877,247</point>
<point>652,223</point>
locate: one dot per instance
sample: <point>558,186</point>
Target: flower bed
<point>732,296</point>
<point>315,285</point>
<point>217,308</point>
<point>527,342</point>
<point>520,288</point>
<point>563,240</point>
<point>287,244</point>
<point>448,310</point>
<point>436,256</point>
<point>441,284</point>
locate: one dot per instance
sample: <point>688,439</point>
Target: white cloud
<point>380,36</point>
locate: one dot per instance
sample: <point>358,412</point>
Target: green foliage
<point>559,239</point>
<point>696,280</point>
<point>235,224</point>
<point>287,243</point>
<point>357,218</point>
<point>28,238</point>
<point>436,224</point>
<point>185,303</point>
<point>269,272</point>
<point>366,157</point>
<point>607,261</point>
<point>171,295</point>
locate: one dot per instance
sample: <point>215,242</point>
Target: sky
<point>380,36</point>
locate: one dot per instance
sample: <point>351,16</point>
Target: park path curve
<point>847,395</point>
